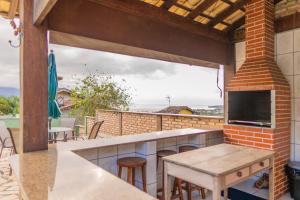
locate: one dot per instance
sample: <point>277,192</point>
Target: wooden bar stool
<point>186,148</point>
<point>162,153</point>
<point>177,182</point>
<point>188,186</point>
<point>131,163</point>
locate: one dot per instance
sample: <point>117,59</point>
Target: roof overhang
<point>136,29</point>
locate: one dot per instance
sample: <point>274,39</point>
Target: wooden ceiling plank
<point>201,8</point>
<point>227,12</point>
<point>13,9</point>
<point>238,23</point>
<point>42,9</point>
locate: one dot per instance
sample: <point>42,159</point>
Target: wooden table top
<point>219,159</point>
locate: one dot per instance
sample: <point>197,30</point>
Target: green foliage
<point>98,92</point>
<point>9,105</point>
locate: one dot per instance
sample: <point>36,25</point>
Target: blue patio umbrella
<point>53,108</point>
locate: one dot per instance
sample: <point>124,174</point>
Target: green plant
<point>9,105</point>
<point>98,92</point>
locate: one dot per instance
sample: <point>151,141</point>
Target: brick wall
<point>124,123</point>
<point>174,122</point>
<point>134,123</point>
<point>112,122</point>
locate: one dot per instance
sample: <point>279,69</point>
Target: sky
<point>149,80</point>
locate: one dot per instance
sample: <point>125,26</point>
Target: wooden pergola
<point>194,32</point>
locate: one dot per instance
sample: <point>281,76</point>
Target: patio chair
<point>94,131</point>
<point>7,142</point>
<point>68,123</point>
<point>6,139</point>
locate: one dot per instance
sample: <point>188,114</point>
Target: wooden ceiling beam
<point>183,7</point>
<point>168,4</point>
<point>99,45</point>
<point>282,24</point>
<point>87,19</point>
<point>232,3</point>
<point>41,10</point>
<point>228,2</point>
<point>227,12</point>
<point>145,10</point>
<point>14,4</point>
<point>287,23</point>
<point>277,1</point>
<point>3,14</point>
<point>201,8</point>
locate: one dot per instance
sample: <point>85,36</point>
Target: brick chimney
<point>259,68</point>
<point>260,72</point>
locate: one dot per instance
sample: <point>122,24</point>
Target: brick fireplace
<point>260,73</point>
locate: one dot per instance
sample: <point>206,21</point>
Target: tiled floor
<point>285,197</point>
<point>9,189</point>
<point>209,197</point>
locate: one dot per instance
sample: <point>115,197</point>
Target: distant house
<point>177,110</point>
<point>217,110</point>
<point>64,100</point>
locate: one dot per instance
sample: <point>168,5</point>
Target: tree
<point>98,92</point>
<point>9,105</point>
<point>14,102</point>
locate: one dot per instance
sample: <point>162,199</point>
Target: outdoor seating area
<point>245,154</point>
<point>67,131</point>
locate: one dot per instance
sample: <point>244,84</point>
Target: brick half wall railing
<point>125,123</point>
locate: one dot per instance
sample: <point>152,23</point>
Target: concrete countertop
<point>126,139</point>
<point>59,173</point>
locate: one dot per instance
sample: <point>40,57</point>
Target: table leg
<point>163,181</point>
<point>167,182</point>
<point>129,175</point>
<point>271,181</point>
<point>55,137</point>
<point>216,189</point>
<point>225,194</point>
<point>65,137</point>
<point>50,138</point>
<point>189,190</point>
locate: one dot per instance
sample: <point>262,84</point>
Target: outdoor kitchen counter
<point>57,175</point>
<point>60,173</point>
<point>127,139</point>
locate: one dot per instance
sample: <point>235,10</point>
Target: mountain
<point>9,91</point>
